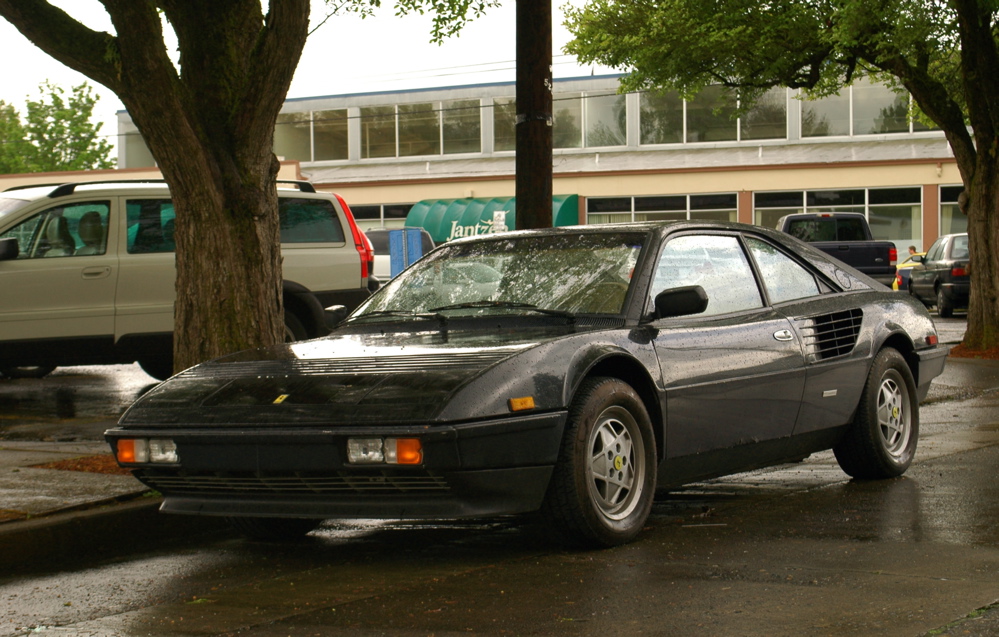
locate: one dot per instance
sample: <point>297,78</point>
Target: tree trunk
<point>983,239</point>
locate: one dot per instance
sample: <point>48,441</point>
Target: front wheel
<point>605,478</point>
<point>881,440</point>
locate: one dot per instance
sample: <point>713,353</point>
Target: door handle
<point>783,335</point>
<point>97,272</point>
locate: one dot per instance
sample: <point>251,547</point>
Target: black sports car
<point>591,367</point>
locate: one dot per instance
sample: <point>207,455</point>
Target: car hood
<point>344,379</point>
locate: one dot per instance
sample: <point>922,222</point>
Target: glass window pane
<point>397,211</point>
<point>950,193</point>
<point>715,263</point>
<point>768,217</point>
<point>877,109</point>
<point>661,118</point>
<point>839,199</point>
<point>714,215</point>
<point>330,134</point>
<point>655,204</point>
<point>377,131</point>
<point>878,196</point>
<point>901,224</point>
<point>150,225</point>
<point>309,221</point>
<point>462,126</point>
<point>607,218</point>
<point>718,201</point>
<point>784,279</point>
<point>568,121</point>
<point>504,124</point>
<point>787,199</point>
<point>292,136</point>
<point>606,122</point>
<point>608,204</point>
<point>826,116</point>
<point>661,216</point>
<point>419,130</point>
<point>768,117</point>
<point>710,116</point>
<point>366,212</point>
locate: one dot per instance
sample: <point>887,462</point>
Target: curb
<point>53,541</point>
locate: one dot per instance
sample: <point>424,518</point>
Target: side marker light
<point>522,404</point>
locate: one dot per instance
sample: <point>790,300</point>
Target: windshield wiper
<point>400,313</point>
<point>473,305</point>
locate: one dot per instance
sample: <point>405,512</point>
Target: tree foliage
<point>57,133</point>
<point>943,52</point>
<point>208,120</point>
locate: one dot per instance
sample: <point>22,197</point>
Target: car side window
<point>309,221</point>
<point>959,248</point>
<point>150,226</point>
<point>714,262</point>
<point>784,279</point>
<point>79,229</point>
<point>934,253</point>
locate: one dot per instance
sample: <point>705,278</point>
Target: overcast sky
<point>345,55</point>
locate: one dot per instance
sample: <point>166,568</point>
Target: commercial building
<point>443,158</point>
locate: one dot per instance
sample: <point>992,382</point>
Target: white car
<point>87,272</point>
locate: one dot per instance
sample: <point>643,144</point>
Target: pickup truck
<point>847,237</point>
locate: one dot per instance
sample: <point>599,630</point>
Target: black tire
<point>273,529</point>
<point>882,438</point>
<point>945,309</point>
<point>293,328</point>
<point>38,371</point>
<point>158,368</point>
<point>604,481</point>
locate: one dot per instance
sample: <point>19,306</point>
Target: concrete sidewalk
<point>47,514</point>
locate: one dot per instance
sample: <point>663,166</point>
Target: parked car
<point>942,278</point>
<point>847,237</point>
<point>605,363</point>
<point>379,238</point>
<point>87,272</point>
<point>903,270</point>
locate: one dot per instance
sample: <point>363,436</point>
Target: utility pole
<point>534,114</point>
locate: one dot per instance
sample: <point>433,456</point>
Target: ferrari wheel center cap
<point>618,463</point>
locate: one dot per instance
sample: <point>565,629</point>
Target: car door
<point>922,279</point>
<point>62,284</point>
<point>733,375</point>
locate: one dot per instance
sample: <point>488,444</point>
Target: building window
<point>826,117</point>
<point>378,132</point>
<point>462,126</point>
<point>660,118</point>
<point>381,216</point>
<point>894,214</point>
<point>419,130</point>
<point>952,220</point>
<point>720,207</point>
<point>293,136</point>
<point>329,130</point>
<point>606,120</point>
<point>768,117</point>
<point>877,109</point>
<point>710,116</point>
<point>504,124</point>
<point>567,131</point>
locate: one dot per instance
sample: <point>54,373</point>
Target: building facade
<point>443,155</point>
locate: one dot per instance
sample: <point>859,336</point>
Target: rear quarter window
<point>309,221</point>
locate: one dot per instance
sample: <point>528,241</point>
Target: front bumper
<point>477,469</point>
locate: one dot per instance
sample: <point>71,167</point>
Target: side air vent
<point>830,335</point>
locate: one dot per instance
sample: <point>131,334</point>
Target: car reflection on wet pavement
<point>71,403</point>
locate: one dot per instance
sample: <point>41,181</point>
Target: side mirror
<point>334,314</point>
<point>9,249</point>
<point>684,301</point>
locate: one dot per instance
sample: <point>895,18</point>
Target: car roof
<point>146,186</point>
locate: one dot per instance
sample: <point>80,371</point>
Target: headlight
<point>146,450</point>
<point>384,451</point>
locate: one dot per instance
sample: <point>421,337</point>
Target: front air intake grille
<point>830,335</point>
<point>291,484</point>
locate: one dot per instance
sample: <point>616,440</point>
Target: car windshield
<point>565,273</point>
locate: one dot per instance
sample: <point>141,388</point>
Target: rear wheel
<point>605,478</point>
<point>273,529</point>
<point>38,371</point>
<point>293,328</point>
<point>945,309</point>
<point>881,441</point>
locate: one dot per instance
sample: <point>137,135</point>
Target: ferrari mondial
<point>571,372</point>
